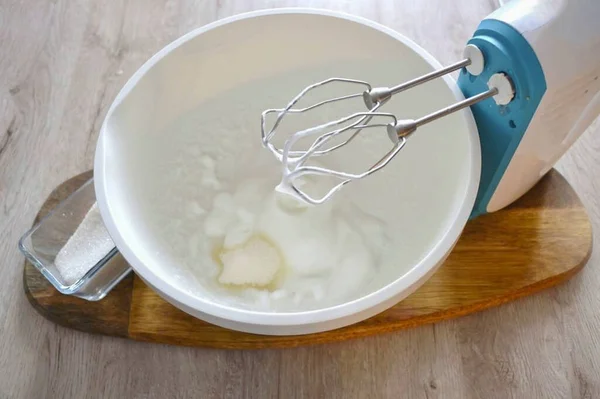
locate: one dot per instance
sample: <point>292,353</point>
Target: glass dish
<point>42,243</point>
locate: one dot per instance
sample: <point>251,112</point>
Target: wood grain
<point>540,241</point>
<point>61,64</point>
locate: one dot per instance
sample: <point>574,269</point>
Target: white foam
<point>323,248</point>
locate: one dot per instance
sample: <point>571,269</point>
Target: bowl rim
<point>184,300</point>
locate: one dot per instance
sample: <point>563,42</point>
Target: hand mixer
<point>529,75</point>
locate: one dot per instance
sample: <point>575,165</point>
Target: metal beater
<point>398,130</point>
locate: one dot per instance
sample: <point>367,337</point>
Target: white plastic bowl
<point>233,51</point>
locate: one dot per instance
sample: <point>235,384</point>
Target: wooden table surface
<point>61,64</point>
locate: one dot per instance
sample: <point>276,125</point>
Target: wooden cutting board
<point>538,242</point>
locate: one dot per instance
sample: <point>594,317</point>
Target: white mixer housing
<point>565,35</point>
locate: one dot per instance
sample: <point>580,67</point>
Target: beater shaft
<point>406,127</point>
<point>381,94</point>
<point>457,107</point>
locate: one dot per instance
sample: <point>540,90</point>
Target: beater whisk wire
<point>296,168</point>
<point>281,112</point>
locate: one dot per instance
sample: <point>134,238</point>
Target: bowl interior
<point>201,98</point>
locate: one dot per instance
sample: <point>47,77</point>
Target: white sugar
<point>255,262</point>
<point>86,247</point>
